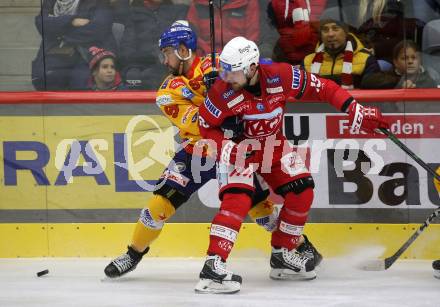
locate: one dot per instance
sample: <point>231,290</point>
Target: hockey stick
<point>396,141</point>
<point>212,32</point>
<point>380,265</point>
<point>383,264</point>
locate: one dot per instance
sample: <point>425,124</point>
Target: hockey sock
<point>292,218</point>
<point>264,215</point>
<point>226,224</point>
<point>151,221</point>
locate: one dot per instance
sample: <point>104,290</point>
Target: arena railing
<point>88,97</point>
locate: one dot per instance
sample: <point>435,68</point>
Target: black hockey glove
<point>209,78</point>
<point>232,127</point>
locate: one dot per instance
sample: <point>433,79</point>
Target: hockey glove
<point>232,127</point>
<point>210,78</point>
<point>366,119</point>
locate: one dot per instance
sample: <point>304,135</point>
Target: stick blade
<point>374,265</point>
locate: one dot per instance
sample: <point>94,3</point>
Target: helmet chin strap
<point>251,80</point>
<point>182,59</point>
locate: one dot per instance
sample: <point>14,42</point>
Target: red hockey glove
<point>237,154</point>
<point>367,119</point>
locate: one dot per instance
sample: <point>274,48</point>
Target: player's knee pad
<point>158,210</point>
<point>176,197</point>
<point>296,186</point>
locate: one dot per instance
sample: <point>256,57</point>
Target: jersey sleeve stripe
<point>304,85</point>
<point>346,104</point>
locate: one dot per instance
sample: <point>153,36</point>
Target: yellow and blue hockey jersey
<point>179,98</point>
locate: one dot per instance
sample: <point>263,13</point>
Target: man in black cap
<point>342,57</point>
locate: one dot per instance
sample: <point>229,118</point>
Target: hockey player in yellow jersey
<point>179,98</point>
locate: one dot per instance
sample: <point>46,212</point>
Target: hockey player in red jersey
<point>179,97</point>
<point>256,92</point>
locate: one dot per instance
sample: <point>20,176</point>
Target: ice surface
<point>170,282</point>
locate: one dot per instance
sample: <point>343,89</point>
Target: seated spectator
<point>294,20</point>
<point>104,76</point>
<point>232,18</point>
<point>408,70</point>
<point>384,24</point>
<point>341,57</point>
<point>68,29</point>
<point>138,51</point>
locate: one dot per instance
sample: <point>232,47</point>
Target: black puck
<point>42,273</point>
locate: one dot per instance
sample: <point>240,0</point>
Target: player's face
<point>408,61</point>
<point>333,36</point>
<point>170,60</point>
<point>236,79</point>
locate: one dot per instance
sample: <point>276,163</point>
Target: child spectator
<point>104,76</point>
<point>408,70</point>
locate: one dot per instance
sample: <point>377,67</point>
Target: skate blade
<point>437,274</point>
<point>286,274</point>
<point>373,265</point>
<point>213,287</point>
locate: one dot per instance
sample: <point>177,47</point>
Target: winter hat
<point>332,15</point>
<point>323,22</point>
<point>98,54</point>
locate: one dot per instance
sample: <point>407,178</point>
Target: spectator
<point>297,23</point>
<point>408,70</point>
<point>384,24</point>
<point>68,28</point>
<point>341,57</point>
<point>104,76</point>
<point>232,18</point>
<point>138,51</point>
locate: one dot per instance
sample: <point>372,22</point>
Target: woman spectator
<point>68,29</point>
<point>384,24</point>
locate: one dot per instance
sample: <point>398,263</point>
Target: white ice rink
<point>169,282</point>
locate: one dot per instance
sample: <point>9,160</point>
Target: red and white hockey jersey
<point>262,115</point>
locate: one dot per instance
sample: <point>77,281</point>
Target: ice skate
<point>307,249</point>
<point>436,267</point>
<point>291,265</point>
<point>125,263</point>
<point>214,278</point>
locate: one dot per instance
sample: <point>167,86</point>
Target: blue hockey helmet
<point>178,33</point>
